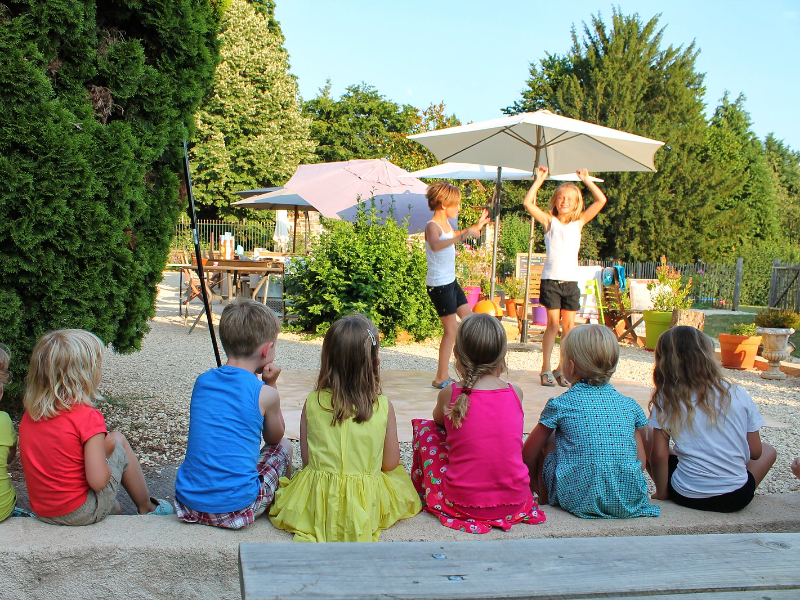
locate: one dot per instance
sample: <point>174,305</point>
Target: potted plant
<point>473,265</point>
<point>514,288</point>
<point>775,326</point>
<point>667,293</point>
<point>739,346</point>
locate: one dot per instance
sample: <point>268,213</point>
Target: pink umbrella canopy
<point>333,187</point>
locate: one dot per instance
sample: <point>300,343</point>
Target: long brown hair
<point>349,368</point>
<point>481,346</point>
<point>687,377</point>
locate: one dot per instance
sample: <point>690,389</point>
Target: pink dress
<point>472,477</point>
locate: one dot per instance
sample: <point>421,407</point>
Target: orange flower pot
<point>738,351</point>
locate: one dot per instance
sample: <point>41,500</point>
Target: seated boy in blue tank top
<point>227,479</point>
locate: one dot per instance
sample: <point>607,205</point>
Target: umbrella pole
<point>199,255</point>
<point>294,234</point>
<point>498,188</point>
<point>307,233</point>
<point>523,335</point>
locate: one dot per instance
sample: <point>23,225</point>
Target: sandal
<point>562,381</point>
<point>163,507</point>
<point>546,379</point>
<point>444,384</point>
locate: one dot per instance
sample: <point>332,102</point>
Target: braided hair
<point>480,349</point>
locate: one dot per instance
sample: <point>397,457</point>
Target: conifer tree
<point>785,167</point>
<point>250,132</point>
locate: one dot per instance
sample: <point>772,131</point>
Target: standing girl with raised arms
<point>563,225</point>
<point>718,458</point>
<point>444,291</point>
<point>352,484</point>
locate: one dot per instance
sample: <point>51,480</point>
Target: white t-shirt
<point>562,243</point>
<point>441,263</point>
<point>712,459</point>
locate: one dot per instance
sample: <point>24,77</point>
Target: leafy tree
<point>785,167</point>
<point>93,97</point>
<point>250,132</point>
<point>743,211</point>
<point>358,125</point>
<point>623,78</point>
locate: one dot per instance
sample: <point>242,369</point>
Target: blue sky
<point>474,55</point>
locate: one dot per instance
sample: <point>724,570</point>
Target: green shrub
<point>778,319</point>
<point>367,267</point>
<point>743,329</point>
<point>93,97</point>
<point>515,230</point>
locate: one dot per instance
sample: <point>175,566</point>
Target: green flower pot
<point>655,323</point>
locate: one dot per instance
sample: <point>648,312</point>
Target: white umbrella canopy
<point>484,172</point>
<point>529,140</point>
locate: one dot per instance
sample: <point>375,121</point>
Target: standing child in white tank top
<point>444,291</point>
<point>563,225</point>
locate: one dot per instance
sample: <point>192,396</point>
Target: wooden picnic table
<point>232,268</point>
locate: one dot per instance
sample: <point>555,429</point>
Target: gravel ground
<point>147,393</point>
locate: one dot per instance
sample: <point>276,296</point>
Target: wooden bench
<point>735,566</point>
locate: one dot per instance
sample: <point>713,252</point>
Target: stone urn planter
<point>775,342</point>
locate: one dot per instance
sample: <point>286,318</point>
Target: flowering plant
<point>474,264</point>
<point>669,292</point>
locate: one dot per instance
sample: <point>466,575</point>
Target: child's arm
<point>754,441</point>
<point>641,455</point>
<point>534,445</point>
<point>95,451</point>
<point>391,446</point>
<point>12,454</point>
<point>795,466</point>
<point>529,202</point>
<point>599,198</point>
<point>442,401</point>
<point>659,463</point>
<point>433,233</point>
<point>304,437</point>
<point>274,426</point>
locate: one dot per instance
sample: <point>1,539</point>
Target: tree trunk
<point>692,318</point>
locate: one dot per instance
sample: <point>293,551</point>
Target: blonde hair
<point>594,351</point>
<point>480,349</point>
<point>577,211</point>
<point>687,377</point>
<point>442,193</point>
<point>65,370</point>
<point>5,360</point>
<point>349,368</point>
<point>245,325</point>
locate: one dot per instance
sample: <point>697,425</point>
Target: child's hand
<point>583,175</point>
<point>270,374</point>
<point>541,174</point>
<point>662,496</point>
<point>795,466</point>
<point>484,220</point>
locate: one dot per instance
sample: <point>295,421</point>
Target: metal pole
<point>198,254</point>
<point>498,188</point>
<point>523,336</point>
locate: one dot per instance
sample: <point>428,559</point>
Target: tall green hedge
<point>93,101</point>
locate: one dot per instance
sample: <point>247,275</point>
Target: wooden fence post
<point>737,288</point>
<point>773,284</point>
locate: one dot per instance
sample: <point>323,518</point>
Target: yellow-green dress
<point>342,495</point>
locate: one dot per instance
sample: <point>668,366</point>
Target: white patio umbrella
<point>281,235</point>
<point>541,138</point>
<point>454,170</point>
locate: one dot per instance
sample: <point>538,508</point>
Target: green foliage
<point>92,101</point>
<point>778,319</point>
<point>358,125</point>
<point>621,77</point>
<point>758,259</point>
<point>669,292</point>
<point>514,287</point>
<point>250,133</point>
<point>743,329</point>
<point>515,231</point>
<point>785,166</point>
<point>367,267</point>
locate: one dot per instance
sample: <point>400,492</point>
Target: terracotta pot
<point>738,351</point>
<point>511,307</point>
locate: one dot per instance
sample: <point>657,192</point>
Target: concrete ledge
<point>762,364</point>
<point>157,557</point>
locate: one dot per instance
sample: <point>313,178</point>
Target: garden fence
<point>784,286</point>
<point>713,285</point>
<point>248,235</point>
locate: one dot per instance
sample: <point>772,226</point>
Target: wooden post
<point>773,284</point>
<point>737,287</point>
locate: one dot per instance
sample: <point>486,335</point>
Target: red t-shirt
<point>51,451</point>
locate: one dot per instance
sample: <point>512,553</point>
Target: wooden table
<point>231,268</point>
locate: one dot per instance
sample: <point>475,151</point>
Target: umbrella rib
<point>482,140</point>
<point>556,140</point>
